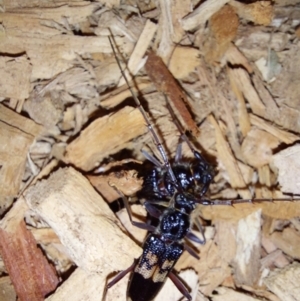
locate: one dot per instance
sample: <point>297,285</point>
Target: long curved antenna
<point>231,202</point>
<point>150,127</point>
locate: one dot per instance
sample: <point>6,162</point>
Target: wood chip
<point>226,239</point>
<point>170,31</point>
<point>60,71</point>
<point>166,30</point>
<point>288,167</point>
<point>77,213</point>
<point>227,157</point>
<point>244,119</point>
<point>105,136</point>
<point>31,274</point>
<point>7,292</point>
<point>284,136</point>
<point>81,285</point>
<point>257,147</point>
<point>200,15</point>
<point>284,282</point>
<point>54,55</point>
<point>165,83</point>
<point>272,111</point>
<point>14,81</point>
<point>184,60</point>
<point>223,28</point>
<point>236,57</point>
<point>136,59</point>
<point>246,263</point>
<point>288,241</point>
<point>260,12</point>
<point>125,181</point>
<point>211,269</point>
<point>283,209</point>
<point>242,80</point>
<point>17,135</point>
<point>275,258</point>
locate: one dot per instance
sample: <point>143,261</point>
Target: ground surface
<point>68,123</point>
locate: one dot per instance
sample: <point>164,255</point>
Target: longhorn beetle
<point>164,245</point>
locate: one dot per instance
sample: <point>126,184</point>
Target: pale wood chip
<point>54,55</point>
<point>243,82</point>
<point>45,22</point>
<point>280,209</point>
<point>287,162</point>
<point>247,265</point>
<point>17,135</point>
<point>288,241</point>
<point>179,9</point>
<point>243,115</point>
<point>125,181</point>
<point>105,136</point>
<point>261,293</point>
<point>136,60</point>
<point>272,111</point>
<point>16,214</point>
<point>45,235</point>
<point>257,147</point>
<point>264,175</point>
<point>83,285</point>
<point>236,57</point>
<point>184,60</point>
<point>284,282</point>
<point>226,239</point>
<point>226,157</point>
<point>68,121</point>
<point>201,14</point>
<point>14,77</point>
<point>25,4</point>
<point>43,111</point>
<point>18,121</point>
<point>262,41</point>
<point>289,118</point>
<point>166,30</point>
<point>266,242</point>
<point>110,165</point>
<point>83,222</point>
<point>211,269</point>
<point>274,258</point>
<point>282,135</point>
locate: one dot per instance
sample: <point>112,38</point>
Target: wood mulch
<point>70,132</point>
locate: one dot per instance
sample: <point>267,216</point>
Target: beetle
<point>165,243</point>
